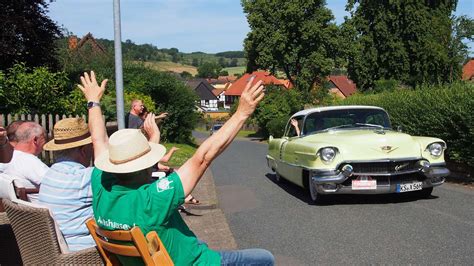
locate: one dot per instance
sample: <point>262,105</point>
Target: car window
<point>335,118</point>
<point>290,130</point>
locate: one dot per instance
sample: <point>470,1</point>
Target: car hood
<point>368,144</point>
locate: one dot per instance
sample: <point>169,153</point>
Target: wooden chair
<point>151,249</point>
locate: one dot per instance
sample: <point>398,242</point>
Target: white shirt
<point>27,169</point>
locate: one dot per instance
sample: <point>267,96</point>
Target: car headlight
<point>328,154</point>
<point>435,149</point>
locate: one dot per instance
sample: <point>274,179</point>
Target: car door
<point>290,168</point>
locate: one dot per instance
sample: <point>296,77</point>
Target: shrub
<point>170,95</point>
<point>278,104</point>
<point>37,90</point>
<point>439,111</point>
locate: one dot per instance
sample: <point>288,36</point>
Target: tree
<point>233,62</point>
<point>298,37</point>
<point>209,70</point>
<point>462,29</point>
<point>27,34</point>
<point>404,40</point>
<point>221,61</point>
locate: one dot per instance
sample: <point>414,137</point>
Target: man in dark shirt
<point>132,118</point>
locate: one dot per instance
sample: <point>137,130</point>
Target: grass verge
<point>182,155</point>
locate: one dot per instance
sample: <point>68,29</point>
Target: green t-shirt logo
<point>163,185</point>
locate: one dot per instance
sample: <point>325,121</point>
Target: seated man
<point>25,165</point>
<point>65,189</point>
<point>123,195</point>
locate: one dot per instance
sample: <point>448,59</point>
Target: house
<point>341,86</point>
<point>207,100</point>
<point>234,91</point>
<point>468,70</point>
<point>75,45</point>
<point>220,94</point>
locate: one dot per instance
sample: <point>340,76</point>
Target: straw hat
<point>69,133</point>
<point>129,151</point>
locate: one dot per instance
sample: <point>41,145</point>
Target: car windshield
<point>346,119</point>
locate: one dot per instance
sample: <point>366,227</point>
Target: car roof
<point>330,108</point>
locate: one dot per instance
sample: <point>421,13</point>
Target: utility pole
<point>118,65</point>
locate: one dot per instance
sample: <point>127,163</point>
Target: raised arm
<point>294,123</point>
<point>93,93</point>
<point>193,169</point>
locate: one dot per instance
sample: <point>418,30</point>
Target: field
<point>235,70</point>
<point>170,66</point>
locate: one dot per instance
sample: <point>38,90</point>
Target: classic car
<point>214,128</point>
<point>355,150</point>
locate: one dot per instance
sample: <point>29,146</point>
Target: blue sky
<point>190,25</point>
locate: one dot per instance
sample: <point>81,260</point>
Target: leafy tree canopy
<point>209,70</point>
<point>297,37</point>
<point>412,41</point>
<point>27,34</point>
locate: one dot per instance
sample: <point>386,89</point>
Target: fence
<point>46,121</point>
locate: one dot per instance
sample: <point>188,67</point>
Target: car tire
<point>278,177</point>
<point>425,193</point>
<point>315,197</point>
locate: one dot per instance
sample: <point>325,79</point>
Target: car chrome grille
<point>384,168</point>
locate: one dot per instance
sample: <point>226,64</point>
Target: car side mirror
<point>399,129</point>
<point>270,138</point>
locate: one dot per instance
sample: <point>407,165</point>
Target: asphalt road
<point>365,229</point>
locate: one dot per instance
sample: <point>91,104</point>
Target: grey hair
<point>28,130</point>
<point>67,154</point>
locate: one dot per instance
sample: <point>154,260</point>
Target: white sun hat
<point>129,151</point>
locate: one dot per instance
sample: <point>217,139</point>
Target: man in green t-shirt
<point>125,196</point>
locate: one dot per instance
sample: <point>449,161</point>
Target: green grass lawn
<point>235,70</point>
<point>180,156</point>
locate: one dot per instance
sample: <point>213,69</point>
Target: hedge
<point>444,112</point>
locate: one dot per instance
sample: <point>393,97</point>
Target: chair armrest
<point>88,256</point>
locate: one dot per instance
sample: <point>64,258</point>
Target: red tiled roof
<point>216,92</point>
<point>344,84</point>
<point>468,70</point>
<point>239,85</point>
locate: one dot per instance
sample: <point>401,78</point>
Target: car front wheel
<point>316,198</point>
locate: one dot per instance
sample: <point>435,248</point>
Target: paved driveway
<point>366,229</point>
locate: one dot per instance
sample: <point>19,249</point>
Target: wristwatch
<point>92,104</point>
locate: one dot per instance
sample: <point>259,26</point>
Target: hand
<point>161,116</point>
<point>294,122</point>
<point>92,91</point>
<point>151,128</point>
<point>3,136</point>
<point>250,98</point>
<point>162,167</point>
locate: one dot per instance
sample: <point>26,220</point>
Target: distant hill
<point>149,52</point>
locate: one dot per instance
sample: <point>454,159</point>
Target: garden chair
<point>151,249</point>
<point>39,238</point>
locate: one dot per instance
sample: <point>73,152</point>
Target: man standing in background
<point>132,118</point>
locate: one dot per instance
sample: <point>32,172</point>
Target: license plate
<point>409,187</point>
<point>364,184</point>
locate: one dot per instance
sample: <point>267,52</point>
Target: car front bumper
<point>338,182</point>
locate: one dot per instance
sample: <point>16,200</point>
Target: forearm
<point>192,171</point>
<point>98,130</point>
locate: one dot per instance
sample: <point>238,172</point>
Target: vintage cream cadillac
<point>354,150</point>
